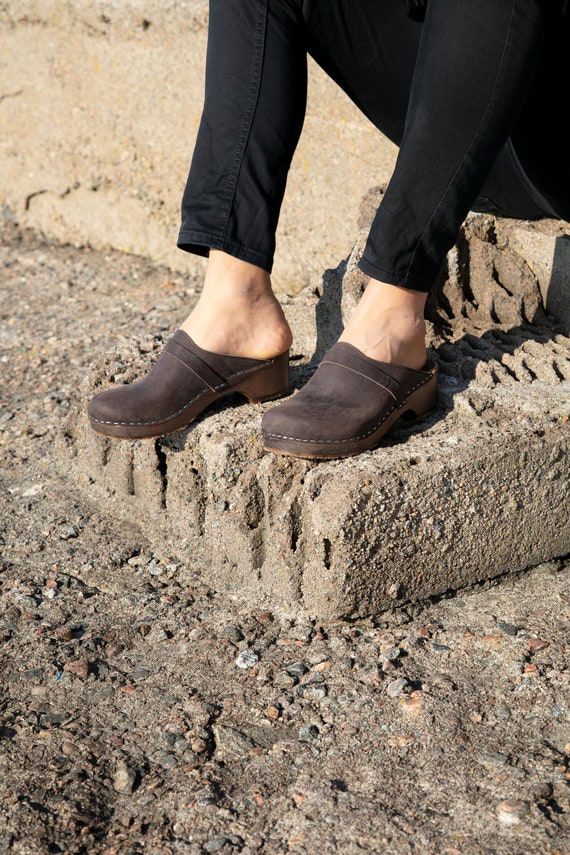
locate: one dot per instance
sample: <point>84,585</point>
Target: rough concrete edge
<point>257,525</point>
<point>394,552</point>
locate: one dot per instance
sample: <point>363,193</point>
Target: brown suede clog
<point>184,381</point>
<point>348,405</point>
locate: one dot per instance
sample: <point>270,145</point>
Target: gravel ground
<point>142,712</point>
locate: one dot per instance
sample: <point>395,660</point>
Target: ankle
<point>388,325</point>
<point>237,313</point>
<point>394,345</point>
<point>231,278</point>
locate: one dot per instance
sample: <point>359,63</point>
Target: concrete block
<point>478,489</point>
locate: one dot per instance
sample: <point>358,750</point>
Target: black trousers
<point>474,96</point>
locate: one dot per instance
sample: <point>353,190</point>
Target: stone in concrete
<point>478,489</point>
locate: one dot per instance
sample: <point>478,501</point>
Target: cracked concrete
<point>478,489</point>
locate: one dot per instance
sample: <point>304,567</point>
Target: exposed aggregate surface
<point>142,712</point>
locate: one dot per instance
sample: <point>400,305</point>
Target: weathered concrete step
<point>481,490</point>
<point>478,489</point>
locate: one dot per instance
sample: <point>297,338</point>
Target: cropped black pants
<point>474,97</point>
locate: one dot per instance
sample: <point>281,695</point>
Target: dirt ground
<point>141,712</point>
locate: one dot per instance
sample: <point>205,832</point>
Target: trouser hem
<point>200,243</point>
<point>402,280</point>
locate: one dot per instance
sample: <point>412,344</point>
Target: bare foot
<point>237,313</point>
<point>388,325</point>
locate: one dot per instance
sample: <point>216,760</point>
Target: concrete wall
<point>99,108</point>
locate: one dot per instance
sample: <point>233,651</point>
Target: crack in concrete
<point>162,467</point>
<point>67,192</point>
<point>31,196</point>
<point>7,95</point>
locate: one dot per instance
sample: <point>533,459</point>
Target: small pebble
<point>323,666</point>
<point>272,712</point>
<point>215,844</point>
<point>536,644</point>
<point>493,759</point>
<point>396,687</point>
<point>138,560</point>
<point>233,633</point>
<point>317,657</point>
<point>39,707</point>
<point>310,692</point>
<point>424,631</point>
<point>439,648</point>
<point>511,812</point>
<point>372,676</point>
<point>28,601</point>
<point>302,632</point>
<point>502,710</point>
<point>154,569</point>
<point>296,669</point>
<point>114,649</point>
<point>157,635</point>
<point>392,654</point>
<point>284,681</point>
<point>64,633</point>
<point>247,659</point>
<point>124,780</point>
<point>67,532</point>
<point>53,718</point>
<point>509,628</point>
<point>80,667</point>
<point>307,732</point>
<point>542,790</point>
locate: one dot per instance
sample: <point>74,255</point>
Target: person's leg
<point>540,137</point>
<point>371,52</point>
<point>474,66</point>
<point>253,114</point>
<point>237,312</point>
<point>447,92</point>
<point>237,338</point>
<point>255,96</point>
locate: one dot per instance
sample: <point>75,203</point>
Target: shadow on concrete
<point>557,297</point>
<point>462,345</point>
